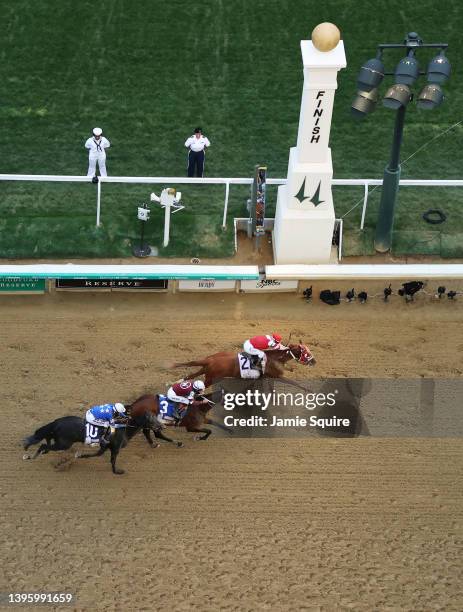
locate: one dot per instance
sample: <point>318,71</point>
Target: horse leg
<point>207,432</point>
<point>114,453</point>
<point>208,381</point>
<point>147,434</point>
<point>162,436</point>
<point>97,453</point>
<point>219,425</point>
<point>195,374</point>
<point>42,450</point>
<point>47,447</point>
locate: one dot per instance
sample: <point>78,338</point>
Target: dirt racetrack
<point>228,524</point>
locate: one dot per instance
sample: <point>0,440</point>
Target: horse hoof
<point>119,472</point>
<point>26,456</point>
<point>179,444</point>
<point>155,445</point>
<point>77,454</point>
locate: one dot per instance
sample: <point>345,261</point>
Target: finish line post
<point>305,219</point>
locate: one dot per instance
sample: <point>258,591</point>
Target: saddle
<point>170,412</point>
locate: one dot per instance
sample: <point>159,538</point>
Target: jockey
<point>183,393</point>
<point>104,416</point>
<point>259,345</point>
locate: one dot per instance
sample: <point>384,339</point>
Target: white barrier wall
<point>372,271</point>
<point>140,271</point>
<point>266,285</point>
<point>207,285</point>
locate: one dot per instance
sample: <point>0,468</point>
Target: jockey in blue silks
<point>103,416</point>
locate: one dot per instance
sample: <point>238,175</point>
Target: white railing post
<point>365,202</point>
<point>225,205</point>
<point>341,227</point>
<point>166,224</point>
<point>98,203</point>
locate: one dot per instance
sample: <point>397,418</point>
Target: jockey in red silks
<point>259,345</point>
<point>183,394</point>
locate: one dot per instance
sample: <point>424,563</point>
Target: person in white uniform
<point>96,146</point>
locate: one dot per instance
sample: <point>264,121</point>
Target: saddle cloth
<point>93,433</point>
<point>246,367</point>
<point>168,411</point>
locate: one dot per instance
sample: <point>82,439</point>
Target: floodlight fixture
<point>439,69</point>
<point>396,96</point>
<point>413,40</point>
<point>364,103</point>
<point>430,97</point>
<point>407,70</point>
<point>371,74</point>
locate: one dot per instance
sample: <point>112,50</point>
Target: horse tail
<point>189,364</point>
<point>46,431</point>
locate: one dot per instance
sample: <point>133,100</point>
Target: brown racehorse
<point>144,415</point>
<point>225,364</point>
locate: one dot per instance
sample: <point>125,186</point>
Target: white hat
<point>120,408</point>
<point>97,131</point>
<point>198,385</point>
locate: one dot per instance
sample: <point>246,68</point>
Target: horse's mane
<point>141,398</point>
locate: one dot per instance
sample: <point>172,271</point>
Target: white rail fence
<point>220,272</point>
<point>181,180</point>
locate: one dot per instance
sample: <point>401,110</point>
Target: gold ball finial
<point>325,36</point>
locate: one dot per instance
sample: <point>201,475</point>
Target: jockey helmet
<point>276,337</point>
<point>198,386</point>
<point>119,408</point>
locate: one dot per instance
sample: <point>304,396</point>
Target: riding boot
<point>178,415</point>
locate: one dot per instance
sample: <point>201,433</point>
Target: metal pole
<point>98,203</point>
<point>254,200</point>
<point>225,206</point>
<point>391,178</point>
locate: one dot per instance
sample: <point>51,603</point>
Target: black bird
<point>350,295</point>
<point>387,293</point>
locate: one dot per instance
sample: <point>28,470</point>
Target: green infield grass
<point>149,72</point>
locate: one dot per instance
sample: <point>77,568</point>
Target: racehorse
<point>148,407</point>
<point>62,433</point>
<point>226,364</point>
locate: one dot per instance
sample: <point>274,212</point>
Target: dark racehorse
<point>226,364</point>
<point>62,433</point>
<point>147,407</point>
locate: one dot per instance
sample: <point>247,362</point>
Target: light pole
<point>397,98</point>
<point>391,178</point>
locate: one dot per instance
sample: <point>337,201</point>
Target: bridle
<point>304,354</point>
